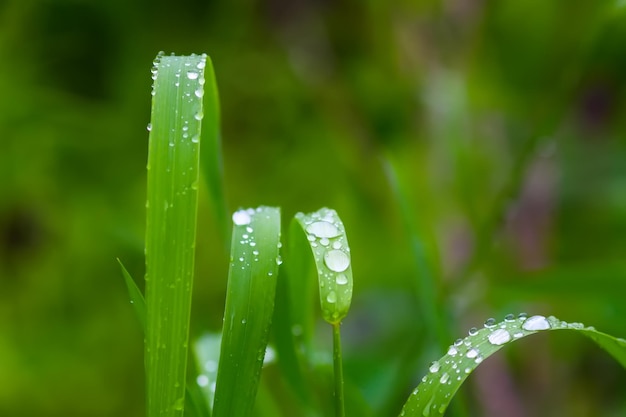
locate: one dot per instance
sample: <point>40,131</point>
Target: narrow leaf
<point>445,376</point>
<point>173,173</point>
<point>249,307</point>
<point>136,297</point>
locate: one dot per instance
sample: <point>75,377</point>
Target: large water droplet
<point>434,367</point>
<point>535,323</point>
<point>331,297</point>
<point>323,229</point>
<point>499,337</point>
<point>192,75</point>
<point>336,260</point>
<point>241,218</point>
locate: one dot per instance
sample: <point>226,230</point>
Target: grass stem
<point>339,394</point>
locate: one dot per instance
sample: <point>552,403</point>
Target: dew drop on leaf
<point>323,229</point>
<point>499,337</point>
<point>336,260</point>
<point>535,323</point>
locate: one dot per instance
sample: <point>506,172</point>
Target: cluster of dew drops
<point>244,218</point>
<point>463,349</point>
<point>193,73</point>
<point>324,233</point>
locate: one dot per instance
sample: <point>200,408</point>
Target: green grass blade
<point>445,376</point>
<point>173,173</point>
<point>249,307</point>
<point>329,244</point>
<point>136,297</point>
<point>211,157</point>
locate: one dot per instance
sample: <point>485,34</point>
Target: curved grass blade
<point>445,376</point>
<point>173,173</point>
<point>249,307</point>
<point>327,239</point>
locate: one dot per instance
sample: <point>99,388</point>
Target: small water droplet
<point>490,323</point>
<point>331,297</point>
<point>192,75</point>
<point>324,241</point>
<point>458,342</point>
<point>243,321</point>
<point>472,353</point>
<point>522,316</point>
<point>323,229</point>
<point>452,351</point>
<point>434,367</point>
<point>444,378</point>
<point>279,260</point>
<point>473,331</point>
<point>195,138</point>
<point>198,116</point>
<point>336,260</point>
<point>509,317</point>
<point>341,279</point>
<point>499,337</point>
<point>199,92</point>
<point>535,323</point>
<point>241,218</point>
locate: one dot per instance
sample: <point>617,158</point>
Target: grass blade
<point>207,353</point>
<point>327,239</point>
<point>445,376</point>
<point>173,171</point>
<point>136,297</point>
<point>249,307</point>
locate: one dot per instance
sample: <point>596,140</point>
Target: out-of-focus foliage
<point>502,121</point>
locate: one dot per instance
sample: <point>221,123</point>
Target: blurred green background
<point>497,128</point>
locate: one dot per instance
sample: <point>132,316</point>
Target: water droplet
<point>192,75</point>
<point>195,138</point>
<point>198,116</point>
<point>444,378</point>
<point>199,92</point>
<point>473,331</point>
<point>535,323</point>
<point>522,316</point>
<point>490,323</point>
<point>243,321</point>
<point>468,370</point>
<point>337,244</point>
<point>499,337</point>
<point>509,317</point>
<point>434,367</point>
<point>518,335</point>
<point>202,380</point>
<point>331,297</point>
<point>323,229</point>
<point>336,260</point>
<point>341,279</point>
<point>472,353</point>
<point>241,218</point>
<point>324,241</point>
<point>458,342</point>
<point>452,351</point>
<point>279,260</point>
<point>210,366</point>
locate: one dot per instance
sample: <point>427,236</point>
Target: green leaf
<point>173,174</point>
<point>207,353</point>
<point>249,307</point>
<point>445,376</point>
<point>136,297</point>
<point>329,244</point>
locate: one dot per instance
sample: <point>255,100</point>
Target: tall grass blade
<point>207,353</point>
<point>173,173</point>
<point>432,397</point>
<point>249,308</point>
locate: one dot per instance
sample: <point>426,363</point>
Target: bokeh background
<point>480,143</point>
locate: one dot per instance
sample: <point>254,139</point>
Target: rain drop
<point>473,331</point>
<point>192,75</point>
<point>535,323</point>
<point>331,297</point>
<point>452,351</point>
<point>444,378</point>
<point>241,218</point>
<point>499,337</point>
<point>336,260</point>
<point>434,367</point>
<point>323,229</point>
<point>472,353</point>
<point>341,279</point>
<point>490,323</point>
